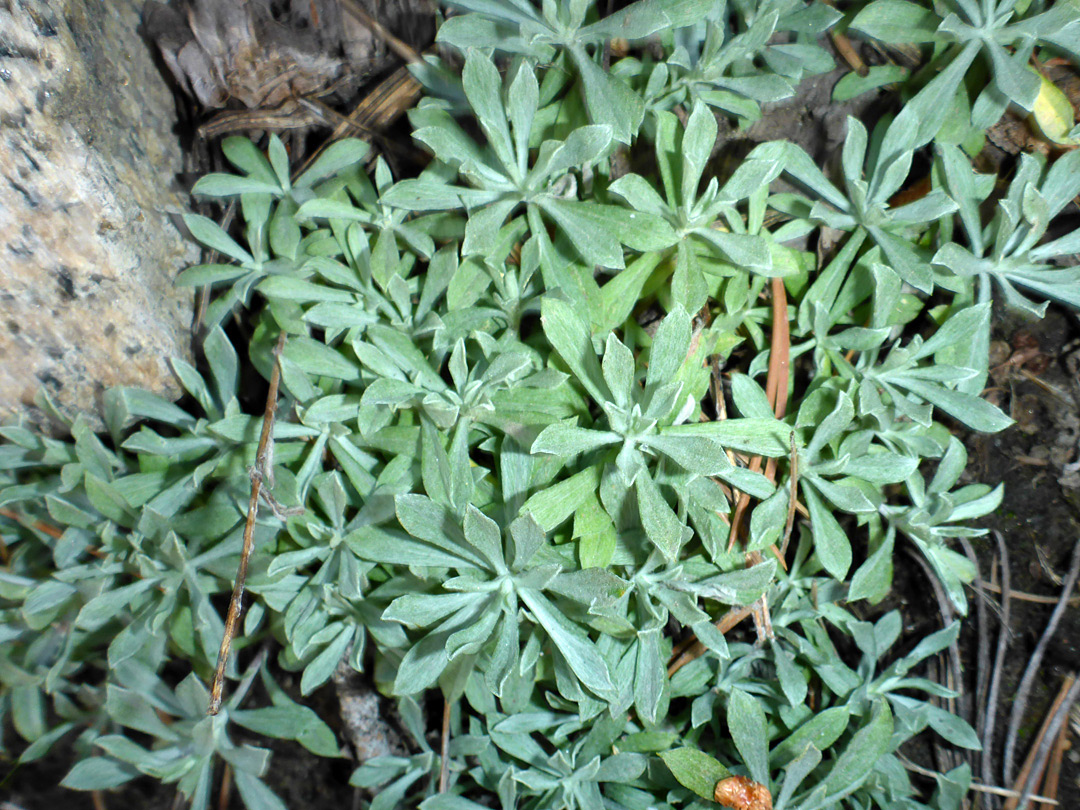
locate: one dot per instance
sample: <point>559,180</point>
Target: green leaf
<point>580,654</point>
<point>98,773</point>
<point>831,545</point>
<point>898,22</point>
<point>210,234</point>
<point>861,755</point>
<point>570,337</point>
<point>852,84</point>
<point>749,731</point>
<point>821,731</point>
<point>695,770</point>
<point>661,524</point>
<point>873,579</point>
<point>551,506</point>
<point>256,795</point>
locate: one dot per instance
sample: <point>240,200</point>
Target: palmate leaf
<point>505,177</point>
<point>519,28</point>
<point>969,23</point>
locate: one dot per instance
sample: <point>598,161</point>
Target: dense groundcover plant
<point>547,431</point>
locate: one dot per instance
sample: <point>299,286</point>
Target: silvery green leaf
<point>1012,76</point>
<point>255,793</point>
<point>551,506</point>
<point>608,99</point>
<point>583,147</point>
<point>580,654</point>
<point>435,524</point>
<point>898,21</point>
<point>904,259</point>
<point>229,185</point>
<point>822,731</point>
<point>98,773</point>
<point>618,368</point>
<point>767,520</point>
<point>861,754</point>
<point>831,545</point>
<point>469,640</point>
<point>649,675</point>
<point>210,234</point>
<point>247,157</point>
<point>853,84</point>
<point>662,526</point>
<point>570,337</point>
<point>973,411</point>
<point>746,250</point>
<point>639,194</point>
<point>696,454</point>
<point>697,144</point>
<point>695,770</point>
<point>800,166</point>
<point>644,17</point>
<point>749,398</point>
<point>796,772</point>
<point>845,497</point>
<point>760,437</point>
<point>748,727</point>
<point>565,439</point>
<point>337,156</point>
<point>669,348</point>
<point>483,88</point>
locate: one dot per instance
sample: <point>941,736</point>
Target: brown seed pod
<point>742,793</point>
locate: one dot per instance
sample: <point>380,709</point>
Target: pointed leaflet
<point>570,337</point>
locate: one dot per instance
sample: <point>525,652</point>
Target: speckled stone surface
<point>88,249</point>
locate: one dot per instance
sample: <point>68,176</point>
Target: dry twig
<point>1035,763</point>
<point>263,470</point>
<point>993,790</point>
<point>1020,702</point>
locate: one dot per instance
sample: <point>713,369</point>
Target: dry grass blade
<point>1020,702</point>
<point>1037,598</point>
<point>1053,770</point>
<point>402,49</point>
<point>1035,764</point>
<point>992,790</point>
<point>259,473</point>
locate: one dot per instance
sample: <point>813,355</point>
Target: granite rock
<point>88,248</point>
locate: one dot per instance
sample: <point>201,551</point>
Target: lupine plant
<point>604,468</point>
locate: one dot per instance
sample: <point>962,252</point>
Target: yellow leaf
<point>1053,114</point>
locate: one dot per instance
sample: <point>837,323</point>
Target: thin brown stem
<point>1053,770</point>
<point>1033,667</point>
<point>260,472</point>
<point>1038,599</point>
<point>696,648</point>
<point>976,786</point>
<point>226,788</point>
<point>1035,763</point>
